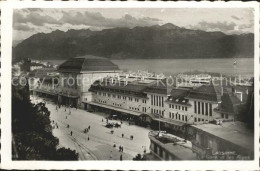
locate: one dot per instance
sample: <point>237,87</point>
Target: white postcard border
<point>6,34</point>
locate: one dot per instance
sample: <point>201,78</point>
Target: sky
<point>27,22</point>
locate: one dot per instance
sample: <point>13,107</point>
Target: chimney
<point>239,95</point>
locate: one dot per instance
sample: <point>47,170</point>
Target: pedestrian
<point>68,126</point>
<point>119,148</point>
<point>102,119</point>
<point>89,127</point>
<point>110,155</point>
<point>122,149</point>
<point>122,135</point>
<point>114,145</point>
<point>57,126</point>
<point>70,133</point>
<point>121,157</point>
<point>88,138</point>
<point>65,109</point>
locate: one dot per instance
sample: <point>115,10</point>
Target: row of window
<point>133,108</point>
<point>178,107</point>
<point>157,100</point>
<point>123,97</point>
<point>101,101</point>
<point>203,108</point>
<point>195,120</point>
<point>156,111</point>
<point>178,116</point>
<point>116,104</point>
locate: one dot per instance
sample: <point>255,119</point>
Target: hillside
<point>166,41</point>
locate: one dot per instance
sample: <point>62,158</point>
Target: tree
<point>32,131</point>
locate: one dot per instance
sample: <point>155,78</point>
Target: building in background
<point>78,74</point>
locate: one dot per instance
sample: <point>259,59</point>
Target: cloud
<point>217,26</point>
<point>236,18</point>
<point>23,27</point>
<point>34,18</point>
<point>98,20</point>
<point>246,26</point>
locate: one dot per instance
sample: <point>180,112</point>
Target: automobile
<point>217,121</point>
<point>109,125</point>
<point>118,124</point>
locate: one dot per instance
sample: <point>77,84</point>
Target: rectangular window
<point>207,109</point>
<point>182,107</point>
<point>151,99</point>
<point>179,107</point>
<point>202,107</point>
<point>195,119</point>
<point>183,117</point>
<point>195,107</point>
<point>186,118</point>
<point>198,107</point>
<point>157,101</point>
<point>176,116</point>
<point>163,113</point>
<point>210,109</point>
<point>186,108</point>
<point>162,102</point>
<point>199,119</point>
<point>179,117</point>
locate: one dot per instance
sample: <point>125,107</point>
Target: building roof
<point>229,103</point>
<point>43,72</point>
<point>180,150</point>
<point>160,87</point>
<point>233,132</point>
<point>179,93</point>
<point>87,63</point>
<point>204,92</point>
<point>120,88</point>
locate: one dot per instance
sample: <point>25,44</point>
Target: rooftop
<point>174,145</point>
<point>43,72</point>
<point>204,92</point>
<point>234,132</point>
<point>87,63</point>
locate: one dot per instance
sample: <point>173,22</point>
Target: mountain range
<point>167,41</point>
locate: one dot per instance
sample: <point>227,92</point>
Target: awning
<point>70,96</point>
<point>115,108</point>
<point>45,91</point>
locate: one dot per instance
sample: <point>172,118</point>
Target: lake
<point>245,66</point>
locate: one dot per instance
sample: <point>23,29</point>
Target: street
<point>98,143</point>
